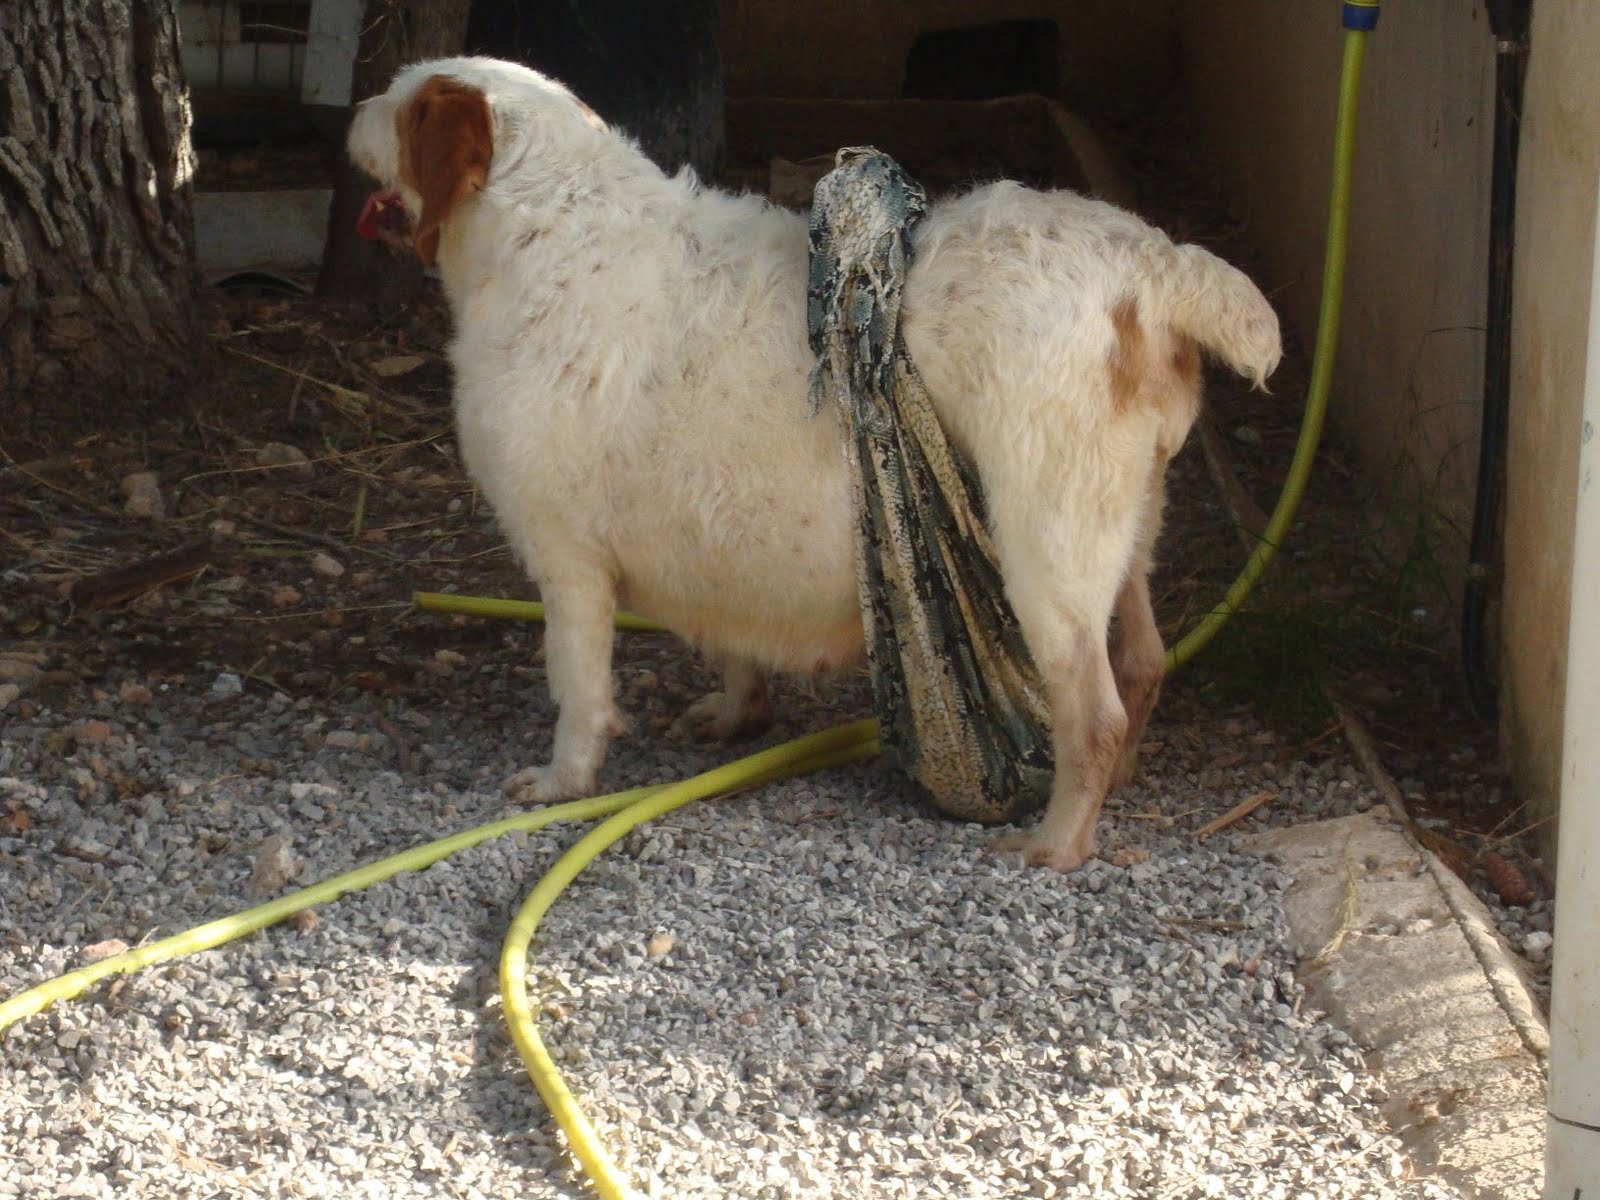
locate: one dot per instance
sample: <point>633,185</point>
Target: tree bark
<point>393,33</point>
<point>97,277</point>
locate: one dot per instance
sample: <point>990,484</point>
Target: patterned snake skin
<point>962,708</point>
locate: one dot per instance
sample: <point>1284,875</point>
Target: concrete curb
<point>1402,956</point>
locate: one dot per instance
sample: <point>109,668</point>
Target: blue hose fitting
<point>1360,15</point>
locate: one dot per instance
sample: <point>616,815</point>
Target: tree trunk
<point>97,278</point>
<point>393,33</point>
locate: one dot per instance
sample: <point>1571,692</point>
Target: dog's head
<point>433,139</point>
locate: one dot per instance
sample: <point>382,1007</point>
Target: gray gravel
<point>811,991</point>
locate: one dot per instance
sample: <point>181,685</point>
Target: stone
<point>291,459</point>
<point>142,493</point>
<point>91,732</point>
<point>226,686</point>
<point>275,866</point>
<point>19,666</point>
<point>133,693</point>
<point>326,565</point>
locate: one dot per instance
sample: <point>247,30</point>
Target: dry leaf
<point>396,365</point>
<point>109,948</point>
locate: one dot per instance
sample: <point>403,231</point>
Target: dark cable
<point>1508,20</point>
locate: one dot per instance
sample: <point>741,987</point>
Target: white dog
<point>631,366</point>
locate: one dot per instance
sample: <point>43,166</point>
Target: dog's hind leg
<point>1062,578</point>
<point>577,641</point>
<point>1088,725</point>
<point>741,709</point>
<point>1138,659</point>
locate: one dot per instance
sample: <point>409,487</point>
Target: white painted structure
<point>291,47</point>
<point>282,230</point>
<point>335,29</point>
<point>1572,1147</point>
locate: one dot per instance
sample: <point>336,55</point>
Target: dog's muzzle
<point>384,218</point>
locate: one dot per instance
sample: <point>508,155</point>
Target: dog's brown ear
<point>446,141</point>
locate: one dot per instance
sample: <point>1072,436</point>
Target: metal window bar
<point>258,23</point>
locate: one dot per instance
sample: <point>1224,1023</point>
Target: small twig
<point>92,505</point>
<point>1493,834</point>
<point>1492,840</point>
<point>294,399</point>
<point>359,520</point>
<point>402,749</point>
<point>1249,521</point>
<point>266,681</point>
<point>1349,909</point>
<point>1209,923</point>
<point>404,606</point>
<point>88,856</point>
<point>303,535</point>
<point>17,539</point>
<point>126,583</point>
<point>1237,813</point>
<point>1169,818</point>
<point>1366,753</point>
<point>336,457</point>
<point>44,464</point>
<point>436,519</point>
<point>337,389</point>
<point>501,549</point>
<point>1457,857</point>
<point>1297,752</point>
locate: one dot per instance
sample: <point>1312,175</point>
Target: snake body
<point>962,708</point>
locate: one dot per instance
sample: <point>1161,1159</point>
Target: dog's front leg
<point>577,641</point>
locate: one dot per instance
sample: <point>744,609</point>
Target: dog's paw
<point>547,784</point>
<point>1127,767</point>
<point>720,717</point>
<point>1038,850</point>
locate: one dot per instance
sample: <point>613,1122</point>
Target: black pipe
<point>1508,21</point>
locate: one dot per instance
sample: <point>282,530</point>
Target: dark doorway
<point>980,62</point>
<point>653,70</point>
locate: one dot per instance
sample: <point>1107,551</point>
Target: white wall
<point>1555,241</point>
<point>1263,75</point>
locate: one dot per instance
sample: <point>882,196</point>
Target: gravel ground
<point>815,990</point>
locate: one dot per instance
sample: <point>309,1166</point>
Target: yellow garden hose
<point>1359,17</point>
<point>227,929</point>
<point>514,610</point>
<point>842,744</point>
<point>624,811</point>
<point>580,1135</point>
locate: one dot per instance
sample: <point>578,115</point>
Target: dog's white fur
<point>631,366</point>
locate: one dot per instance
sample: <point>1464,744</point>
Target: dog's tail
<point>1193,292</point>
